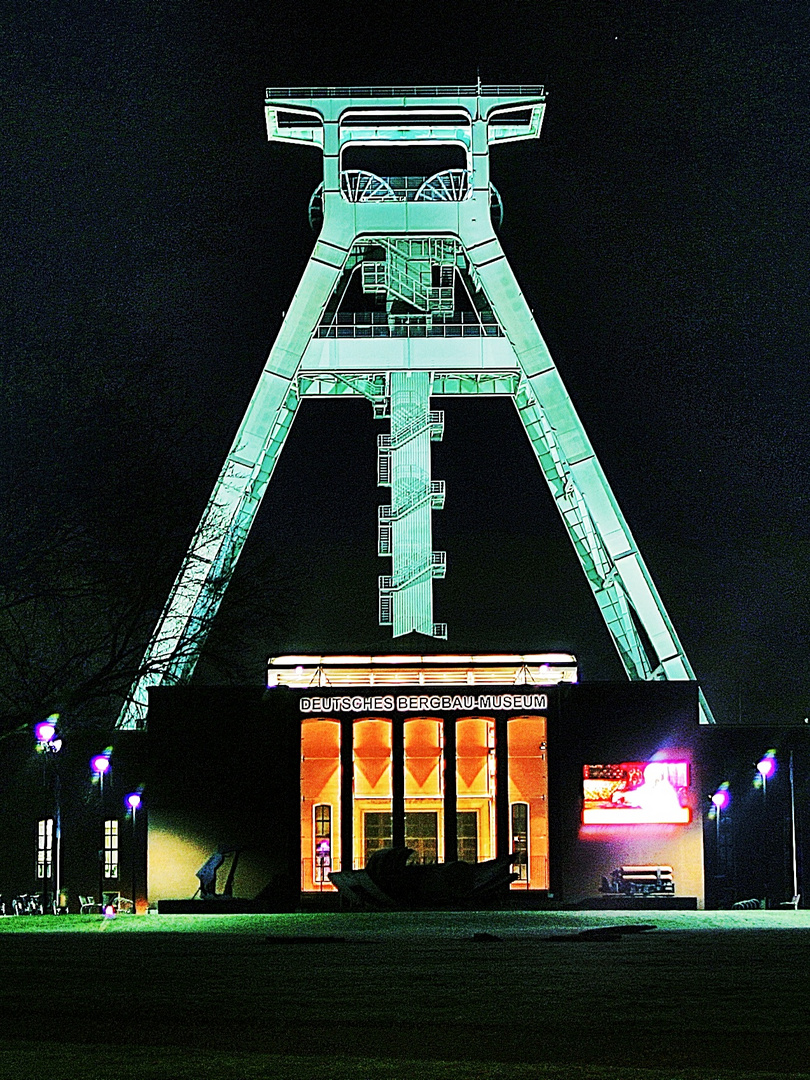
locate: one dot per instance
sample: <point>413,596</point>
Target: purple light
<point>721,798</point>
<point>100,764</point>
<point>45,730</point>
<point>766,767</point>
<point>133,800</point>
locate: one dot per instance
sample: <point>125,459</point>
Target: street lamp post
<point>766,767</point>
<point>49,742</point>
<point>133,802</point>
<point>793,830</point>
<point>100,765</point>
<point>720,801</point>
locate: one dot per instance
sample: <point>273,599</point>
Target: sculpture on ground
<point>391,880</point>
<point>207,875</point>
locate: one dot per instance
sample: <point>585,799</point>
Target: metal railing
<point>451,185</point>
<point>433,491</point>
<point>411,330</point>
<point>434,420</point>
<point>471,90</point>
<point>377,324</point>
<point>435,566</point>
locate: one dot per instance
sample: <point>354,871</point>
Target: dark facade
<point>238,770</point>
<point>243,784</point>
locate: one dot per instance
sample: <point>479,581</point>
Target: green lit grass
<point>152,1063</point>
<point>431,924</point>
<point>704,996</point>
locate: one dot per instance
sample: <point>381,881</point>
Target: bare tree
<point>78,606</point>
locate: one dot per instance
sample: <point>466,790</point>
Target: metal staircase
<point>406,274</point>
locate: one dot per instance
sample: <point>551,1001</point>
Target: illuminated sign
<point>357,703</point>
<point>636,793</point>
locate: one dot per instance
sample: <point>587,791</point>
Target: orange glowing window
<point>475,739</point>
<point>320,801</point>
<point>423,758</point>
<point>372,759</point>
<point>528,798</point>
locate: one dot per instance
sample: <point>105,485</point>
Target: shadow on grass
<point>28,1061</point>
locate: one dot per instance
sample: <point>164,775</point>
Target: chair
<point>793,902</point>
<point>87,903</point>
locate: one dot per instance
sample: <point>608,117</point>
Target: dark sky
<point>659,228</point>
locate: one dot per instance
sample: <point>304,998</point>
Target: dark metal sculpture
<point>390,880</point>
<point>208,875</point>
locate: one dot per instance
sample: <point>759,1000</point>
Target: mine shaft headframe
<point>332,118</point>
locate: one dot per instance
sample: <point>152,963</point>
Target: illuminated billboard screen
<point>636,793</point>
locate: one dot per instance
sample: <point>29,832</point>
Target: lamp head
<point>721,798</point>
<point>766,766</point>
<point>45,730</point>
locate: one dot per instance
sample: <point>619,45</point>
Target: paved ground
<point>704,996</point>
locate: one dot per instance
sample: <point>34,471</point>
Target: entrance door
<point>422,834</point>
<point>377,832</point>
<point>467,834</point>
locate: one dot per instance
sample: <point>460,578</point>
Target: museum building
<point>457,758</point>
<point>595,794</point>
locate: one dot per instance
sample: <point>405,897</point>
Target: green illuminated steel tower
<point>408,296</point>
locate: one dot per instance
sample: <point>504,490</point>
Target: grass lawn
<point>703,996</point>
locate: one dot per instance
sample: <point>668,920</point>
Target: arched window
<point>322,837</point>
<point>320,802</point>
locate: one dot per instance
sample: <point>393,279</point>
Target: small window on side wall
<point>111,848</point>
<point>44,867</point>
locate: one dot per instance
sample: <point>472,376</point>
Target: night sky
<point>152,239</point>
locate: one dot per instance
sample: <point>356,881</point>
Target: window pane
<point>323,842</point>
<point>520,840</point>
<point>377,831</point>
<point>422,834</point>
<point>467,834</point>
<point>111,848</point>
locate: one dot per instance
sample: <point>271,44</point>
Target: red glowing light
<point>636,793</point>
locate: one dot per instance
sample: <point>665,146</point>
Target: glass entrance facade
<point>470,788</point>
